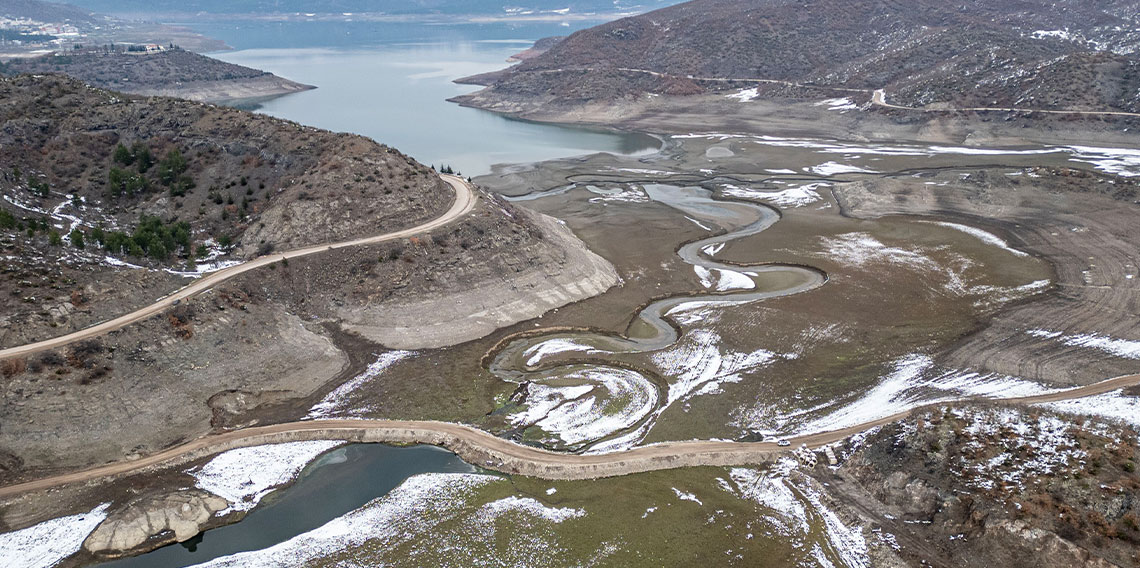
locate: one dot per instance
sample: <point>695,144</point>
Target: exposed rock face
<point>179,516</point>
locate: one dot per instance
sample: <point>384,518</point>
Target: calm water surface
<point>338,482</point>
<point>391,82</point>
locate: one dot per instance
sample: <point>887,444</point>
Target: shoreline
<point>669,115</point>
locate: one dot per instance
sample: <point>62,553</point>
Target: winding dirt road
<point>463,203</point>
<point>485,450</point>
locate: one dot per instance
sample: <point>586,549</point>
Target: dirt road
<point>485,450</point>
<point>464,202</point>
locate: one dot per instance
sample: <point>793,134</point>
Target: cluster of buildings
<point>15,30</point>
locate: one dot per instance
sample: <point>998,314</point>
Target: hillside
<point>111,201</point>
<point>1024,53</point>
<point>399,7</point>
<point>173,72</point>
<point>989,486</point>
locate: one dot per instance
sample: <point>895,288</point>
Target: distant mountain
<point>1048,54</point>
<point>483,7</point>
<point>48,12</point>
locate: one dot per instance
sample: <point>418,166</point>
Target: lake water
<point>342,480</point>
<point>391,82</point>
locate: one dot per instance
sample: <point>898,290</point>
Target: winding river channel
<point>565,387</point>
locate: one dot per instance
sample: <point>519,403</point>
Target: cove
<point>340,481</point>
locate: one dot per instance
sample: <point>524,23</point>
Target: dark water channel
<point>340,481</point>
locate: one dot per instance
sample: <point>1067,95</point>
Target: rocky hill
<point>1021,53</point>
<point>998,486</point>
<point>172,72</point>
<point>97,185</point>
<point>110,201</point>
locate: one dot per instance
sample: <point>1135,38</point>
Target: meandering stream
<point>579,399</point>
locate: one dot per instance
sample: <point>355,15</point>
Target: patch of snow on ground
<point>984,236</point>
<point>792,197</point>
<point>723,280</point>
<point>414,508</point>
<point>1124,348</point>
<point>1114,405</point>
<point>861,248</point>
<point>536,353</point>
<point>112,261</point>
<point>698,223</point>
<point>842,103</point>
<point>687,496</point>
<point>50,542</point>
<point>713,249</point>
<point>203,268</point>
<point>835,168</point>
<point>587,412</point>
<point>334,404</point>
<point>781,171</point>
<point>1120,161</point>
<point>745,95</point>
<point>1047,446</point>
<point>848,542</point>
<point>531,507</point>
<point>1057,34</point>
<point>907,386</point>
<point>245,475</point>
<point>774,492</point>
<point>696,361</point>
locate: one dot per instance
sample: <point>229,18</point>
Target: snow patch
<point>50,542</point>
<point>536,353</point>
<point>418,505</point>
<point>335,404</point>
<point>1113,405</point>
<point>687,496</point>
<point>531,507</point>
<point>984,236</point>
<point>745,95</point>
<point>612,399</point>
<point>245,475</point>
<point>1123,348</point>
<point>835,168</point>
<point>798,196</point>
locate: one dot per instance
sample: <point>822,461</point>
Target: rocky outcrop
<point>174,517</point>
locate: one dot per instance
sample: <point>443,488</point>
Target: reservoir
<point>390,82</point>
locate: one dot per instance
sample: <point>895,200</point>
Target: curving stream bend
<point>569,395</point>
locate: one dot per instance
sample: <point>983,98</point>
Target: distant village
<point>35,37</point>
<point>28,32</point>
